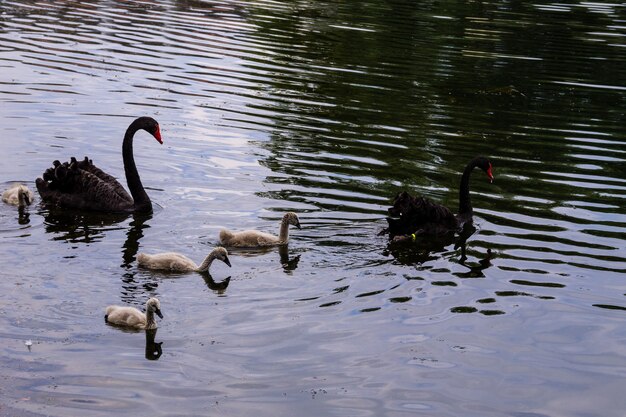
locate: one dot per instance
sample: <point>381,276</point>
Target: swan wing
<point>125,316</point>
<point>10,196</point>
<point>247,239</point>
<point>410,214</point>
<point>265,239</point>
<point>169,261</point>
<point>88,165</point>
<point>72,187</point>
<point>178,262</point>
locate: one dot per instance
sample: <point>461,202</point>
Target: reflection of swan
<point>131,317</point>
<point>77,226</point>
<point>82,185</point>
<point>424,250</point>
<point>171,261</point>
<point>218,287</point>
<point>23,216</point>
<point>18,195</point>
<point>475,271</point>
<point>417,216</point>
<point>74,227</point>
<point>254,238</point>
<point>133,235</point>
<point>288,264</point>
<point>153,349</point>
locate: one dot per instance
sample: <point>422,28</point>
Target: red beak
<point>489,174</point>
<point>157,135</point>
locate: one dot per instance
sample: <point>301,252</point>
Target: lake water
<point>327,109</point>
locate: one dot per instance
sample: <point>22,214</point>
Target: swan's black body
<point>82,185</point>
<point>415,216</point>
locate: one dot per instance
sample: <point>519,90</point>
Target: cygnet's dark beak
<point>298,225</point>
<point>158,313</point>
<point>227,262</point>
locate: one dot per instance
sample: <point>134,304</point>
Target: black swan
<point>82,185</point>
<point>411,217</point>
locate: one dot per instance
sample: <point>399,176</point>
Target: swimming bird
<point>171,261</point>
<point>254,238</point>
<point>411,217</point>
<point>18,195</point>
<point>82,185</point>
<point>133,318</point>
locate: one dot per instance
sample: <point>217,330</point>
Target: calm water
<point>327,109</point>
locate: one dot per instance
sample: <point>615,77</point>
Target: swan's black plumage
<point>82,185</point>
<point>410,214</point>
<point>420,216</point>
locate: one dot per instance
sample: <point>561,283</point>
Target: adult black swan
<point>82,185</point>
<point>412,217</point>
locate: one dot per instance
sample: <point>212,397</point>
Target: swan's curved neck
<point>21,198</point>
<point>150,321</point>
<point>465,203</point>
<point>206,264</point>
<point>283,234</point>
<point>141,200</point>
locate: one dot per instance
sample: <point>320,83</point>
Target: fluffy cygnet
<point>131,317</point>
<point>18,195</point>
<point>171,261</point>
<point>254,238</point>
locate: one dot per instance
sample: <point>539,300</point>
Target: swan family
<point>81,185</point>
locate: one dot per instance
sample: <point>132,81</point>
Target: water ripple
<point>328,110</point>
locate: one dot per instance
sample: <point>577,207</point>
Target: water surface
<point>326,109</point>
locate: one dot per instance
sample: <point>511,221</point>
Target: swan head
<point>151,126</point>
<point>154,305</point>
<point>221,254</point>
<point>292,219</point>
<point>485,164</point>
<point>24,196</point>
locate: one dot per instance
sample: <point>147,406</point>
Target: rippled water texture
<point>327,109</point>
